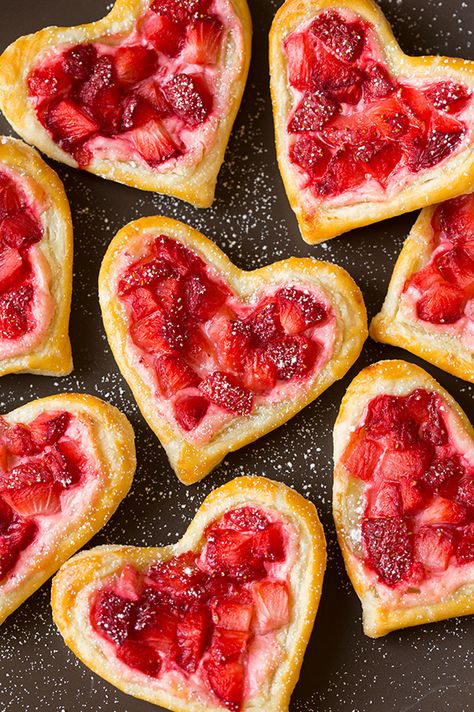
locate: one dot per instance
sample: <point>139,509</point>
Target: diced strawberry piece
<point>173,374</point>
<point>434,547</point>
<point>224,390</point>
<point>293,356</point>
<point>226,680</point>
<point>417,104</point>
<point>388,547</point>
<point>79,61</point>
<point>465,492</point>
<point>412,493</point>
<point>140,656</point>
<point>15,537</point>
<point>264,324</point>
<point>382,164</point>
<point>16,439</point>
<point>455,218</point>
<point>189,411</point>
<point>180,580</point>
<point>449,96</point>
<point>153,104</point>
<point>232,343</point>
<point>15,311</point>
<point>465,547</point>
<point>337,79</point>
<point>113,616</point>
<point>362,456</point>
<point>246,519</point>
<point>147,273</point>
<point>203,297</point>
<point>69,123</point>
<point>272,609</point>
<point>269,544</point>
<point>259,374</point>
<point>102,76</point>
<point>199,350</point>
<point>441,304</point>
<point>48,81</point>
<point>228,644</point>
<point>193,636</point>
<point>134,63</point>
<point>457,267</point>
<point>344,39</point>
<point>19,230</point>
<point>300,54</point>
<point>388,501</point>
<point>378,83</point>
<point>410,462</point>
<point>310,154</point>
<point>11,266</point>
<point>165,35</point>
<point>180,10</point>
<point>344,172</point>
<point>155,333</point>
<point>443,139</point>
<point>108,109</point>
<point>6,516</point>
<point>154,143</point>
<point>129,583</point>
<point>143,302</point>
<point>189,97</point>
<point>443,511</point>
<point>438,475</point>
<point>313,112</point>
<point>47,428</point>
<point>156,625</point>
<point>230,553</point>
<point>31,490</point>
<point>177,257</point>
<point>10,199</point>
<point>71,463</point>
<point>232,614</point>
<point>136,110</point>
<point>299,310</point>
<point>433,429</point>
<point>203,41</point>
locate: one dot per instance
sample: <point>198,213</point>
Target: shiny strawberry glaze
<point>442,293</point>
<point>207,355</point>
<point>43,467</point>
<point>415,505</point>
<point>356,132</point>
<point>25,299</point>
<point>207,619</point>
<point>155,98</point>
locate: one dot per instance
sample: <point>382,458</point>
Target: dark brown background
<point>425,669</point>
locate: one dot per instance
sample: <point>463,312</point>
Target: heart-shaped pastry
<point>403,497</point>
<point>217,357</point>
<point>146,96</point>
<point>218,621</point>
<point>66,463</point>
<point>429,307</point>
<point>364,132</point>
<point>35,264</point>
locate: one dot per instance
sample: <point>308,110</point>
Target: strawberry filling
<point>442,293</point>
<point>151,98</point>
<point>20,230</point>
<point>356,127</point>
<point>418,503</point>
<point>200,615</point>
<point>40,463</point>
<point>207,355</point>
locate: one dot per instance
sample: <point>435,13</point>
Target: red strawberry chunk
<point>441,304</point>
<point>232,343</point>
<point>310,154</point>
<point>189,411</point>
<point>388,548</point>
<point>246,519</point>
<point>180,10</point>
<point>102,76</point>
<point>465,547</point>
<point>143,303</point>
<point>443,511</point>
<point>455,218</point>
<point>228,644</point>
<point>113,616</point>
<point>69,124</point>
<point>14,312</point>
<point>449,96</point>
<point>224,390</point>
<point>48,428</point>
<point>79,61</point>
<point>442,470</point>
<point>165,35</point>
<point>156,625</point>
<point>378,83</point>
<point>232,615</point>
<point>203,297</point>
<point>344,39</point>
<point>226,680</point>
<point>434,547</point>
<point>269,543</point>
<point>189,98</point>
<point>31,490</point>
<point>298,310</point>
<point>49,80</point>
<point>314,111</point>
<point>259,374</point>
<point>19,230</point>
<point>457,267</point>
<point>293,356</point>
<point>155,333</point>
<point>143,274</point>
<point>10,200</point>
<point>388,501</point>
<point>465,492</point>
<point>412,493</point>
<point>337,79</point>
<point>362,457</point>
<point>264,324</point>
<point>179,579</point>
<point>442,140</point>
<point>231,553</point>
<point>108,111</point>
<point>193,636</point>
<point>11,266</point>
<point>272,609</point>
<point>300,52</point>
<point>203,41</point>
<point>16,534</point>
<point>173,374</point>
<point>140,656</point>
<point>134,63</point>
<point>344,172</point>
<point>154,143</point>
<point>398,463</point>
<point>177,257</point>
<point>129,584</point>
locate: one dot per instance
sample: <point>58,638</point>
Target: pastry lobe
<point>35,264</point>
<point>429,307</point>
<point>218,621</point>
<point>146,96</point>
<point>363,131</point>
<point>217,357</point>
<point>66,462</point>
<point>403,497</point>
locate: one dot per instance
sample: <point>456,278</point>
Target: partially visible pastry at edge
<point>403,497</point>
<point>66,463</point>
<point>429,307</point>
<point>363,131</point>
<point>36,254</point>
<point>146,96</point>
<point>218,621</point>
<point>215,356</point>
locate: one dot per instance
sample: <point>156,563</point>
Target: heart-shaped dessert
<point>146,96</point>
<point>403,497</point>
<point>217,357</point>
<point>429,307</point>
<point>66,463</point>
<point>218,621</point>
<point>35,264</point>
<point>363,131</point>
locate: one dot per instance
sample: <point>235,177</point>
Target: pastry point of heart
<point>429,307</point>
<point>403,497</point>
<point>147,96</point>
<point>66,463</point>
<point>35,264</point>
<point>218,621</point>
<point>215,356</point>
<point>363,131</point>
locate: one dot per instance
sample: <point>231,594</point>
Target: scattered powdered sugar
<point>420,670</point>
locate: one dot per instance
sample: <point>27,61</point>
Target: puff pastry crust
<point>88,570</point>
<point>192,183</point>
<point>391,326</point>
<point>191,462</point>
<point>114,443</point>
<point>326,221</point>
<point>381,615</point>
<point>52,356</point>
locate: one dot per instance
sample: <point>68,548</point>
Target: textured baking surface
<point>425,669</point>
